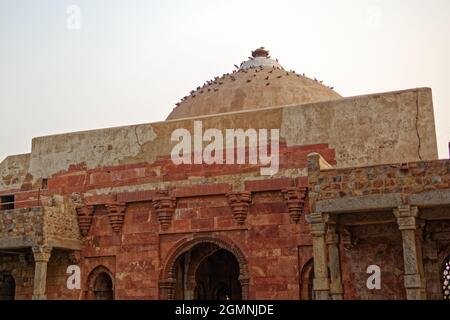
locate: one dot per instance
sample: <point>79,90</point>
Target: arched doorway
<point>205,268</point>
<point>103,287</point>
<point>100,285</point>
<point>446,279</point>
<point>207,272</point>
<point>7,287</point>
<point>307,280</point>
<point>217,278</point>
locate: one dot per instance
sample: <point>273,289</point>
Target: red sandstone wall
<point>374,245</point>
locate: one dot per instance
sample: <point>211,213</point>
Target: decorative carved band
<point>116,215</point>
<point>85,215</point>
<point>295,201</point>
<point>165,206</point>
<point>240,203</point>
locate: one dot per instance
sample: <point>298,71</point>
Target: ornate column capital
<point>295,201</point>
<point>240,204</point>
<point>116,215</point>
<point>85,215</point>
<point>317,224</point>
<point>164,205</point>
<point>407,217</point>
<point>42,253</point>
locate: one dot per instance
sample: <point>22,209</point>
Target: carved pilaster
<point>318,229</point>
<point>41,258</point>
<point>240,204</point>
<point>245,282</point>
<point>116,215</point>
<point>85,215</point>
<point>295,201</point>
<point>165,206</point>
<point>332,241</point>
<point>410,227</point>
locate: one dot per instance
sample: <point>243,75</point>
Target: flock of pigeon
<point>214,84</point>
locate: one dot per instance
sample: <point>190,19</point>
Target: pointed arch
<point>168,276</point>
<point>306,281</point>
<point>100,284</point>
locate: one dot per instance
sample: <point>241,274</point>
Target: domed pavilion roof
<point>259,82</point>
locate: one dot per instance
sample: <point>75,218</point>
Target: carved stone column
<point>165,205</point>
<point>321,280</point>
<point>407,218</point>
<point>295,201</point>
<point>332,240</point>
<point>116,215</point>
<point>85,215</point>
<point>240,204</point>
<point>41,257</point>
<point>167,289</point>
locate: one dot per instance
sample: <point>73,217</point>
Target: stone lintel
<point>362,219</point>
<point>431,198</point>
<point>360,204</point>
<point>317,224</point>
<point>67,244</point>
<point>17,242</point>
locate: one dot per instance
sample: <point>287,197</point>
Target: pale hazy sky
<point>131,61</point>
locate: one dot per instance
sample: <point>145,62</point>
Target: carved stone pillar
<point>167,289</point>
<point>116,215</point>
<point>165,205</point>
<point>332,240</point>
<point>85,215</point>
<point>41,257</point>
<point>295,201</point>
<point>407,218</point>
<point>240,204</point>
<point>321,280</point>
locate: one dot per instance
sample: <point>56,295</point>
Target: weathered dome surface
<point>260,82</point>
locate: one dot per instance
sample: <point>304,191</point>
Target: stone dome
<point>259,82</point>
